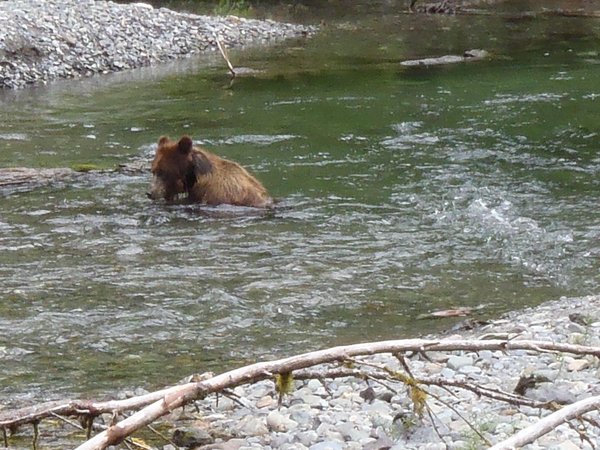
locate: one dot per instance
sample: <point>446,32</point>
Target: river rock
<point>265,402</point>
<point>279,422</point>
<point>302,414</point>
<point>458,362</point>
<point>191,437</point>
<point>578,364</point>
<point>327,445</point>
<point>308,438</point>
<point>251,425</point>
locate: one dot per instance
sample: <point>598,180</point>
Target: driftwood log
<point>469,55</point>
<point>19,176</point>
<point>470,8</point>
<point>182,395</point>
<point>548,423</point>
<point>28,178</point>
<point>150,407</point>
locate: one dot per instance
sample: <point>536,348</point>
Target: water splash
<point>491,218</point>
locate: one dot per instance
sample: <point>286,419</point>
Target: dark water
<point>402,191</point>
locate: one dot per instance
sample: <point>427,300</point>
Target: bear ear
<point>185,145</point>
<point>163,140</point>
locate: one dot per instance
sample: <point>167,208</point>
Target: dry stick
<point>433,424</point>
<point>393,376</point>
<point>235,398</point>
<point>549,423</point>
<point>390,376</point>
<point>36,435</point>
<point>101,427</point>
<point>495,394</point>
<point>5,437</point>
<point>385,385</point>
<point>158,433</point>
<point>89,427</point>
<point>582,434</point>
<point>464,419</point>
<point>15,418</point>
<point>70,422</point>
<point>180,395</point>
<point>443,383</point>
<point>224,53</point>
<point>322,381</point>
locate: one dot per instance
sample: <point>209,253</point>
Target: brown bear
<point>179,168</point>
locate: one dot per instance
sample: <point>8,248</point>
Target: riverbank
<point>351,413</point>
<point>42,40</point>
<point>469,398</point>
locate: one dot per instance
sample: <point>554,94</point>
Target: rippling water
<point>402,192</point>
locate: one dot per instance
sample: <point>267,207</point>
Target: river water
<point>402,191</point>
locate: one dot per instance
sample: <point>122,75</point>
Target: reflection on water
<point>400,192</point>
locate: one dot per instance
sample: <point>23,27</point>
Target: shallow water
<point>402,191</point>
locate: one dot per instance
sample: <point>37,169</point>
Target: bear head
<point>176,168</point>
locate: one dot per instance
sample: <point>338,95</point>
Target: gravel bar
<point>352,413</point>
<point>42,40</point>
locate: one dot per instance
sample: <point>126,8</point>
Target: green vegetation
<point>232,7</point>
<point>86,167</point>
<point>473,440</point>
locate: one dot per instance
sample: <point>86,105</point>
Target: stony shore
<point>42,40</point>
<point>351,413</point>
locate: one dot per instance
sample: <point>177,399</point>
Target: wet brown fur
<point>181,168</point>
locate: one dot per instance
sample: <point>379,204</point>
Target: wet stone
<point>191,437</point>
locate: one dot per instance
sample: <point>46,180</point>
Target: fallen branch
<point>149,407</point>
<point>548,423</point>
<point>14,419</point>
<point>182,395</point>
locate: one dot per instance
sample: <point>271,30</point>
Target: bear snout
<point>157,189</point>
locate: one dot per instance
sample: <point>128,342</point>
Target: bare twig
<point>162,436</point>
<point>434,425</point>
<point>225,57</point>
<point>36,435</point>
<point>70,422</point>
<point>463,418</point>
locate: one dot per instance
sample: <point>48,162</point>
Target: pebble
<point>279,422</point>
<point>338,417</point>
<point>457,362</point>
<point>42,40</point>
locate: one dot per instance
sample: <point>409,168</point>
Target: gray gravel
<point>349,413</point>
<point>41,40</point>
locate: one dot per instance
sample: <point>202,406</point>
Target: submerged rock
<point>191,437</point>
